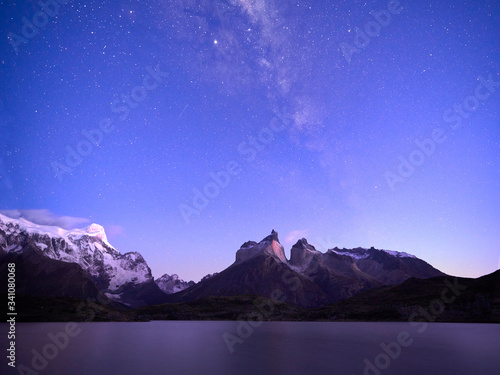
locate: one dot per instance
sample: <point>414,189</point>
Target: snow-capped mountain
<point>172,284</point>
<point>81,263</point>
<point>342,273</point>
<point>386,266</point>
<point>115,274</point>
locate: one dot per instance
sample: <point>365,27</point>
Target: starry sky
<point>188,127</point>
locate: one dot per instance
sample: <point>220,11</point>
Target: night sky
<point>188,127</point>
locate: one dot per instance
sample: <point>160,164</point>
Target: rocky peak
<point>302,253</point>
<point>170,284</point>
<point>272,237</point>
<point>270,245</point>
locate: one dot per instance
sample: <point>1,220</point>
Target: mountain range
<point>81,263</point>
<point>52,261</point>
<point>310,278</point>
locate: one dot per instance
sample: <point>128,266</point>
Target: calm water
<point>196,348</point>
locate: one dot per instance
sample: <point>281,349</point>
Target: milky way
<point>189,127</point>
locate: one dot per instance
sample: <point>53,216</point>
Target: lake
<point>220,348</point>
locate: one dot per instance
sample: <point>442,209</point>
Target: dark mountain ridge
<point>310,278</point>
<point>81,263</point>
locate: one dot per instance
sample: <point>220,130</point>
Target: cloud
<point>46,217</point>
<point>294,235</point>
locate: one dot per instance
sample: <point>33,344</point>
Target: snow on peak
<point>399,254</point>
<point>21,224</point>
<point>93,230</point>
<point>363,253</point>
<point>357,253</point>
<point>87,247</point>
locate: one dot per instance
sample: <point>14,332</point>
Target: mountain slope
<point>310,278</point>
<point>389,267</point>
<point>343,273</point>
<point>477,300</point>
<point>442,299</point>
<point>259,269</point>
<point>38,275</point>
<point>336,275</point>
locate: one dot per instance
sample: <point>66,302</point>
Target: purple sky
<point>187,128</point>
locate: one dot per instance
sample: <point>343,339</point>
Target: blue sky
<point>349,123</point>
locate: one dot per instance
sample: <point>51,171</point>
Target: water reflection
<point>194,348</point>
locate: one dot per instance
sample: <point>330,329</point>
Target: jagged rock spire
<point>272,237</point>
